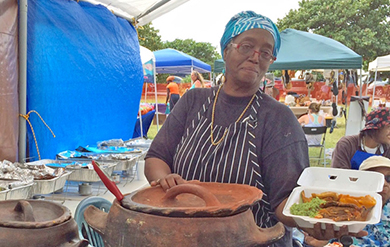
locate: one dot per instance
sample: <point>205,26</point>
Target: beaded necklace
<point>212,118</point>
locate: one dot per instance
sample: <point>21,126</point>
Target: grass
<point>330,139</point>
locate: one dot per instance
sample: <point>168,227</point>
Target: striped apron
<point>234,160</point>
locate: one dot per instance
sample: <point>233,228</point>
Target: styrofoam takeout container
<point>341,181</point>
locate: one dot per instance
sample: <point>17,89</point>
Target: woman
<point>198,80</point>
<point>269,88</point>
<point>374,139</point>
<point>234,133</point>
<point>172,93</point>
<point>312,119</point>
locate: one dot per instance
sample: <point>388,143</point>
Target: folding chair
<point>85,231</point>
<point>316,131</point>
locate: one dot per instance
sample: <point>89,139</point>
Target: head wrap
<point>245,21</point>
<point>170,78</point>
<point>377,119</point>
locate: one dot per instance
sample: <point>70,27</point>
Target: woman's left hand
<point>317,236</point>
<point>168,181</point>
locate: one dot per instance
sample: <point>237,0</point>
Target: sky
<point>205,20</point>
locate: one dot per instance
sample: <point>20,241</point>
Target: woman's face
<point>248,70</point>
<point>193,76</point>
<point>383,136</point>
<point>385,193</point>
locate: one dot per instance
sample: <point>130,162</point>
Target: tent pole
<point>361,83</point>
<point>140,122</point>
<point>337,85</point>
<point>23,9</point>
<point>373,91</point>
<point>155,91</point>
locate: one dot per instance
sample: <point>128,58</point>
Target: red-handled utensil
<point>111,186</point>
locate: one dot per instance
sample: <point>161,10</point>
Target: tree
<point>149,37</point>
<point>361,25</point>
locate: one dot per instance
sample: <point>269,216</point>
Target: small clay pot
<point>37,223</point>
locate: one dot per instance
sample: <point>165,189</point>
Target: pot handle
<point>197,190</point>
<point>268,236</point>
<point>26,209</point>
<point>96,219</point>
<point>79,243</point>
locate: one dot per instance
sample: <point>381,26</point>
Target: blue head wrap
<point>245,21</point>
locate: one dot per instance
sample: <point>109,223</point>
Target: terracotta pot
<point>191,214</point>
<point>37,223</point>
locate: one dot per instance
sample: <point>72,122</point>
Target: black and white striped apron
<point>234,160</point>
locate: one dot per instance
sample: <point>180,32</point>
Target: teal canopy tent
<point>219,65</point>
<point>304,50</point>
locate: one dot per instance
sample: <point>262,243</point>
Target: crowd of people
<point>236,133</point>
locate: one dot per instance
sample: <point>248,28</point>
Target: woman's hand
<point>315,242</point>
<point>168,181</point>
<point>317,236</point>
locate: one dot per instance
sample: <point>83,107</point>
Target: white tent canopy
<point>380,64</point>
<point>140,11</point>
<point>146,54</point>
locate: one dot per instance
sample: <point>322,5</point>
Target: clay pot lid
<point>32,214</point>
<point>194,199</point>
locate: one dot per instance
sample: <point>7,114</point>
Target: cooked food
<point>309,208</point>
<point>342,212</point>
<point>338,207</point>
<point>367,201</point>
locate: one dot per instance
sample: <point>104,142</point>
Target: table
<point>300,110</point>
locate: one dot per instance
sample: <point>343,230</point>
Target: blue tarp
<point>84,75</point>
<point>171,61</point>
<point>146,122</point>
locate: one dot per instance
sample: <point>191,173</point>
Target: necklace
<point>364,145</point>
<point>213,113</point>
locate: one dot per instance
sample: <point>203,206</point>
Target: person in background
<point>378,234</point>
<point>313,119</point>
<point>198,80</point>
<point>173,95</point>
<point>234,133</point>
<point>374,139</point>
<point>270,89</point>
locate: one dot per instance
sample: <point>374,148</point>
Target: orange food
<point>366,201</point>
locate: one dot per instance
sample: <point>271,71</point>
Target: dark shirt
<point>282,149</point>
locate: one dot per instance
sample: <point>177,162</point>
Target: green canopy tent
<point>219,66</point>
<point>304,50</point>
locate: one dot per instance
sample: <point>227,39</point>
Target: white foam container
<point>341,181</point>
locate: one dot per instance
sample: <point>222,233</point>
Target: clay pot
<point>191,215</point>
<point>37,223</point>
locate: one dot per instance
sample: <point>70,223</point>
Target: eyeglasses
<point>387,178</point>
<point>249,50</point>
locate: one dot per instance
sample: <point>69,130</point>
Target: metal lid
<point>32,214</point>
<point>195,199</point>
